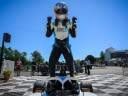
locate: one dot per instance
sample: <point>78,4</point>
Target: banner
<point>8,64</point>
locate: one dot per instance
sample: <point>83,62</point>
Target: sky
<point>100,24</point>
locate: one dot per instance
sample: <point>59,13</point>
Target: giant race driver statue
<point>61,28</point>
<point>61,85</point>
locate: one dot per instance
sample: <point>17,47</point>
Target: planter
<point>6,77</point>
<point>7,74</point>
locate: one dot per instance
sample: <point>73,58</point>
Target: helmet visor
<point>61,11</point>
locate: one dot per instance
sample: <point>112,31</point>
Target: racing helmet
<point>61,8</point>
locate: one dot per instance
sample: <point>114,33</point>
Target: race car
<point>63,85</point>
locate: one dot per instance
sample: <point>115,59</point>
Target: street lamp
<point>6,38</point>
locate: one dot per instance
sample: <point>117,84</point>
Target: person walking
<point>18,66</point>
<point>88,65</point>
<point>85,67</point>
<point>33,67</point>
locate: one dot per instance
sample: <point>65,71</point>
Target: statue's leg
<point>69,59</point>
<point>55,54</point>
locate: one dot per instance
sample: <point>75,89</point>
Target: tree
<point>77,61</point>
<point>91,58</point>
<point>14,55</point>
<point>9,54</point>
<point>36,56</point>
<point>17,54</point>
<point>24,58</point>
<point>102,56</point>
<point>81,62</point>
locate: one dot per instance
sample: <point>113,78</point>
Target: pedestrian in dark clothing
<point>81,68</point>
<point>44,69</point>
<point>33,68</point>
<point>88,66</point>
<point>38,69</point>
<point>85,67</point>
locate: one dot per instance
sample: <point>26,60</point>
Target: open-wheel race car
<point>62,85</point>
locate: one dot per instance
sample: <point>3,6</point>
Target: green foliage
<point>77,61</point>
<point>8,53</point>
<point>7,72</point>
<point>91,58</point>
<point>36,56</point>
<point>11,54</point>
<point>102,56</point>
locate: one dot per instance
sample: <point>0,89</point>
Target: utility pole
<point>6,38</point>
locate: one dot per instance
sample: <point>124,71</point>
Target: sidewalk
<point>94,71</point>
<point>107,70</point>
<point>107,81</point>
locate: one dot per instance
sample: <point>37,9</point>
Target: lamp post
<point>6,38</point>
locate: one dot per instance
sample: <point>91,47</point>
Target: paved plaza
<point>107,81</point>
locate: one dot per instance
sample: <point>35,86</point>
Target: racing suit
<point>61,30</point>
